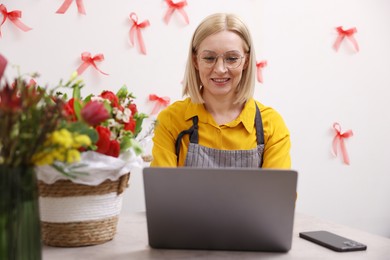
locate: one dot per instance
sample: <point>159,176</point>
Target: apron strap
<point>194,136</point>
<point>259,126</point>
<point>192,131</point>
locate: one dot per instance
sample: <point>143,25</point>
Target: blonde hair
<point>210,25</point>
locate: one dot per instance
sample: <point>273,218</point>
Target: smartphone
<point>332,241</point>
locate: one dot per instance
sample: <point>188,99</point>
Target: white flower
<point>100,99</point>
<point>111,123</point>
<point>124,116</point>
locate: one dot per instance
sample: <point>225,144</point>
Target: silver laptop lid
<point>220,208</point>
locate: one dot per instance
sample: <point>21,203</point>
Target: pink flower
<point>94,113</point>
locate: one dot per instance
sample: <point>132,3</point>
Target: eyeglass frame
<point>216,57</point>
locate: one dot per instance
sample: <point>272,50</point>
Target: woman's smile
<point>220,81</point>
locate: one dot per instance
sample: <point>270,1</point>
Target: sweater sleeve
<point>163,143</point>
<point>277,141</point>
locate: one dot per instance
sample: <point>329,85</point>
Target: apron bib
<point>205,157</point>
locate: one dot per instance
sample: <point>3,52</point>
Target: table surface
<point>131,242</point>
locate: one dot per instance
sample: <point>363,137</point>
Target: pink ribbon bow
<point>88,60</point>
<point>65,5</point>
<point>176,6</point>
<point>339,138</point>
<point>3,65</point>
<point>345,33</point>
<point>260,65</point>
<point>13,16</point>
<point>136,28</point>
<point>161,102</point>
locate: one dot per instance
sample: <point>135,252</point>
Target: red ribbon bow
<point>65,5</point>
<point>136,28</point>
<point>176,6</point>
<point>88,60</point>
<point>339,138</point>
<point>161,102</point>
<point>3,65</point>
<point>260,65</point>
<point>13,16</point>
<point>345,33</point>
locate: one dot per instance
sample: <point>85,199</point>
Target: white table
<point>131,242</point>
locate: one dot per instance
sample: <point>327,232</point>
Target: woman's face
<point>220,61</point>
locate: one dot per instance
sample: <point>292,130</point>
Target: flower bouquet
<point>80,202</point>
<point>31,118</point>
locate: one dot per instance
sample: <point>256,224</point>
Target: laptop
<point>240,209</point>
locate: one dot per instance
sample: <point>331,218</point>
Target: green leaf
<point>122,92</point>
<point>76,92</point>
<point>88,98</point>
<point>139,118</point>
<point>81,128</point>
<point>77,106</point>
<point>108,107</point>
<point>137,147</point>
<point>125,143</point>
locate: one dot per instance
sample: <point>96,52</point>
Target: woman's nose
<point>220,65</point>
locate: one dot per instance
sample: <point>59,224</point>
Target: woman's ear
<point>246,63</point>
<point>195,61</point>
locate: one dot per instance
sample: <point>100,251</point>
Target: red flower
<point>114,117</point>
<point>130,126</point>
<point>94,113</point>
<point>103,143</point>
<point>9,99</point>
<point>114,149</point>
<point>31,83</point>
<point>133,108</point>
<point>111,97</point>
<point>69,110</point>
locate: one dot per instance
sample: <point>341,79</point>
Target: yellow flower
<point>62,146</point>
<point>73,156</point>
<point>81,140</point>
<point>62,137</point>
<point>42,159</point>
<point>59,154</point>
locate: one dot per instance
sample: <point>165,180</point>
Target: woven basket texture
<point>80,233</point>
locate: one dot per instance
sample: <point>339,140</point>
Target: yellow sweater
<point>240,134</point>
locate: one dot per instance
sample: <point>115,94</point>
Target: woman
<point>220,124</point>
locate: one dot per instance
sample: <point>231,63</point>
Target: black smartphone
<point>332,241</point>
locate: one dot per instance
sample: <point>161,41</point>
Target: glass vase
<point>20,230</point>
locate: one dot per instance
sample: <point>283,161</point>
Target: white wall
<point>309,83</point>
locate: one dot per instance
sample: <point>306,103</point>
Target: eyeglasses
<point>231,59</point>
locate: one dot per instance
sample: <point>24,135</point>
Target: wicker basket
<point>75,215</point>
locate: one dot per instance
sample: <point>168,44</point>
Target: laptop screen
<point>220,208</point>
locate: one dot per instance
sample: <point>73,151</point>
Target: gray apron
<point>205,157</point>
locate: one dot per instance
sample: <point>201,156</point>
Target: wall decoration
<point>13,16</point>
<point>89,60</point>
<point>345,33</point>
<point>176,6</point>
<point>260,65</point>
<point>136,28</point>
<point>65,5</point>
<point>339,139</point>
<point>161,102</point>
